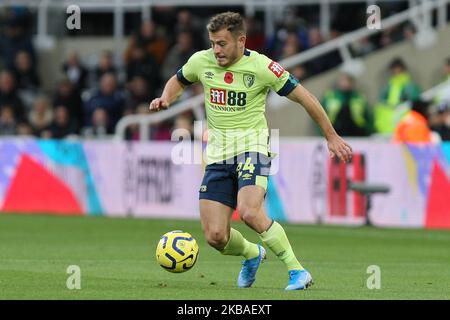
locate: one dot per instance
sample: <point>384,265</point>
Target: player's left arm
<point>336,145</point>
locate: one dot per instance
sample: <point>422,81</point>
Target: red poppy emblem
<point>228,77</point>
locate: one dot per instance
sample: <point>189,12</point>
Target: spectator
<point>326,61</point>
<point>291,46</point>
<point>108,97</point>
<point>275,42</point>
<point>413,128</point>
<point>24,129</point>
<point>290,23</point>
<point>25,73</point>
<point>67,95</point>
<point>105,65</point>
<point>162,131</point>
<point>255,35</point>
<point>7,121</point>
<point>138,92</point>
<point>314,37</point>
<point>100,127</point>
<point>440,121</point>
<point>333,58</point>
<point>178,55</point>
<point>146,38</point>
<point>299,72</point>
<point>62,126</point>
<point>142,109</point>
<point>389,36</point>
<point>9,95</point>
<point>409,31</point>
<point>16,37</point>
<point>399,88</point>
<point>318,64</point>
<point>363,47</point>
<point>188,23</point>
<point>133,131</point>
<point>41,116</point>
<point>347,109</point>
<point>75,71</point>
<point>142,64</point>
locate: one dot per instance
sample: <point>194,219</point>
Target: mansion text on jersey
<point>227,108</point>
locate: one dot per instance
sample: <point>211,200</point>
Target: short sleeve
<point>278,79</point>
<point>187,74</point>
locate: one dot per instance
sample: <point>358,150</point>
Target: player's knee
<point>249,214</point>
<point>217,238</point>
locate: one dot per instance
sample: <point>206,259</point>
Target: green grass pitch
<point>117,261</point>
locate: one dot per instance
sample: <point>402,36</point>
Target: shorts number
<point>248,166</point>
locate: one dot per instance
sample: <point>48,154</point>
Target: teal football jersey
<point>235,100</point>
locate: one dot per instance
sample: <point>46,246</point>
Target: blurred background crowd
<point>89,100</point>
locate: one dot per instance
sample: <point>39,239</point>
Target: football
<point>177,251</point>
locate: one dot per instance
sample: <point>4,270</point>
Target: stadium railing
<point>145,121</point>
<point>419,15</point>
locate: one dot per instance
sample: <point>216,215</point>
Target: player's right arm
<point>186,76</point>
<point>172,90</point>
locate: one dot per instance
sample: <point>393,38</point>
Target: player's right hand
<point>340,148</point>
<point>158,104</point>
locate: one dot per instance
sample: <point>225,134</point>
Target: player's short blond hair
<point>232,21</point>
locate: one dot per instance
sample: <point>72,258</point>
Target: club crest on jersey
<point>276,68</point>
<point>228,78</point>
<point>249,79</point>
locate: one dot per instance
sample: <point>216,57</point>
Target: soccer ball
<point>177,251</point>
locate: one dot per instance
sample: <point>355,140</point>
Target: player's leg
<point>272,234</point>
<point>218,199</point>
<point>217,203</point>
<point>215,220</point>
<point>251,209</point>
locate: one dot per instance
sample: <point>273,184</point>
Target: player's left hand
<point>338,147</point>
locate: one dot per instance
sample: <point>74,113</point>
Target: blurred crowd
<point>89,101</point>
<point>399,112</point>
